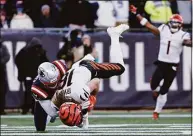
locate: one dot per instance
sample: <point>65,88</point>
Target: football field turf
<point>106,123</point>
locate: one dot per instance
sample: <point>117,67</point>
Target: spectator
<point>21,20</point>
<point>121,11</point>
<point>159,11</point>
<point>4,23</point>
<point>27,61</point>
<point>78,45</point>
<point>78,13</point>
<point>4,58</point>
<point>47,20</point>
<point>2,2</point>
<point>105,14</point>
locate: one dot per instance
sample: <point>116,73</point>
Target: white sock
<point>161,101</point>
<point>116,55</point>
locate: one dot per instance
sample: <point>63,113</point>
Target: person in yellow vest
<point>159,11</point>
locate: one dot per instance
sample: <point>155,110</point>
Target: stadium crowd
<point>87,14</point>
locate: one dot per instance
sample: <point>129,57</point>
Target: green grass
<point>30,122</point>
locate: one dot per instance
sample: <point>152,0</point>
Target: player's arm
<point>187,41</point>
<point>41,96</point>
<point>144,22</point>
<point>49,108</point>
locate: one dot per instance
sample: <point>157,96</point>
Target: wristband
<point>143,21</point>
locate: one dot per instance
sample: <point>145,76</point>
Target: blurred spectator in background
<point>76,13</point>
<point>21,20</point>
<point>159,11</point>
<point>133,22</point>
<point>105,14</point>
<point>27,61</point>
<point>77,45</point>
<point>4,58</point>
<point>4,22</point>
<point>121,12</point>
<point>47,20</point>
<point>88,47</point>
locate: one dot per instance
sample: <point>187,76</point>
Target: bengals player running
<point>81,81</point>
<point>172,40</point>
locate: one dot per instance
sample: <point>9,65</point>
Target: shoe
<point>155,116</point>
<point>155,95</point>
<point>118,30</point>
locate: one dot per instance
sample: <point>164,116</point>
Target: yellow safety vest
<point>160,11</point>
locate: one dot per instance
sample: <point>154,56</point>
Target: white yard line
<point>112,116</point>
<point>98,130</point>
<point>91,134</point>
<point>104,126</point>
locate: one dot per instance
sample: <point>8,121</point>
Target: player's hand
<point>85,105</point>
<point>133,9</point>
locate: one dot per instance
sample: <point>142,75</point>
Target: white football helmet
<point>49,75</point>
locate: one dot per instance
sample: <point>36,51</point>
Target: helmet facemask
<point>175,26</point>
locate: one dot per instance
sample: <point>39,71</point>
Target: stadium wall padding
<point>129,90</point>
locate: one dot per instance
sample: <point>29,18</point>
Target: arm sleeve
<point>186,36</point>
<point>49,107</point>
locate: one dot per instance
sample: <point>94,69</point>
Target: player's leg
<point>155,82</point>
<point>169,76</point>
<point>116,67</point>
<point>40,117</point>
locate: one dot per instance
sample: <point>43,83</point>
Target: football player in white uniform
<point>82,79</point>
<point>172,40</point>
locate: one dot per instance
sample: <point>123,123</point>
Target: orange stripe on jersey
<point>102,66</point>
<point>94,65</point>
<point>60,66</point>
<point>39,91</point>
<point>116,66</point>
<point>111,67</point>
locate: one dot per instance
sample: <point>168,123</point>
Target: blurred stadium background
<point>124,103</point>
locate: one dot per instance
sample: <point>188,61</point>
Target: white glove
<point>85,105</point>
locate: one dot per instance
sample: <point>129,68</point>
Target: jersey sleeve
<point>61,65</point>
<point>38,93</point>
<point>186,36</point>
<point>161,27</point>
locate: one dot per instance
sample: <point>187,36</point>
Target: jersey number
<point>68,78</point>
<point>168,49</point>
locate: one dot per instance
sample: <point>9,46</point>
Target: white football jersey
<point>171,44</point>
<point>76,79</point>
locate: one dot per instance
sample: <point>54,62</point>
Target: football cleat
<point>118,30</point>
<point>155,116</point>
<point>155,95</point>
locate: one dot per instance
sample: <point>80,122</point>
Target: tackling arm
<point>49,108</point>
<point>144,21</point>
